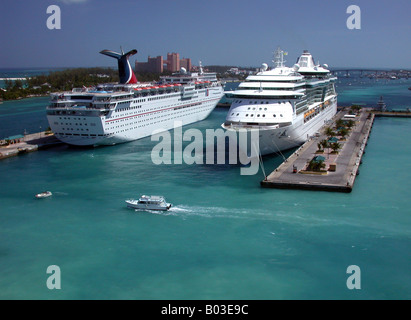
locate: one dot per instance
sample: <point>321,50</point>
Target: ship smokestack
<point>125,71</point>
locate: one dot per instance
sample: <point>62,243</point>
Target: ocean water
<point>224,238</point>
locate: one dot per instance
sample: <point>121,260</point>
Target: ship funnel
<point>125,71</point>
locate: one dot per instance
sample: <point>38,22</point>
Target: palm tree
<point>339,123</point>
<point>324,143</point>
<point>343,132</point>
<point>316,165</point>
<point>335,146</point>
<point>329,132</point>
<point>350,124</point>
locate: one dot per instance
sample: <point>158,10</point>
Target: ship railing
<point>106,107</point>
<point>257,125</point>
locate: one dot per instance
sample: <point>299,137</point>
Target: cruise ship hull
<point>276,140</point>
<point>136,121</point>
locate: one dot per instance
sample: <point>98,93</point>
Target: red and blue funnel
<point>125,71</point>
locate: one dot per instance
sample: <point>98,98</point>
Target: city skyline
<point>234,33</point>
<point>157,64</point>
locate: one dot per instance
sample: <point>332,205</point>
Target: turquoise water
<point>225,237</point>
<point>26,115</point>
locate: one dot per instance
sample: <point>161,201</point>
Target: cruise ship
<point>287,105</point>
<point>115,113</point>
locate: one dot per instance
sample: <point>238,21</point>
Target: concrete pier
<point>340,169</point>
<point>28,143</point>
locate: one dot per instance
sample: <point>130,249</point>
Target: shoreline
<point>27,97</point>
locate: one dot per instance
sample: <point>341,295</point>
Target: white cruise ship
<point>286,105</point>
<point>116,113</point>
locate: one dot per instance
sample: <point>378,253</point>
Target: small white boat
<point>44,194</point>
<point>149,203</point>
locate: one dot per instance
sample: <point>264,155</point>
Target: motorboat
<point>44,194</point>
<point>149,203</point>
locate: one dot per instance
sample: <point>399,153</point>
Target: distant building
<point>173,62</point>
<point>158,64</point>
<point>186,63</point>
<point>152,65</point>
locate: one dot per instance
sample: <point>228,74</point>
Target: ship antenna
<point>279,58</point>
<point>121,49</point>
<point>200,67</point>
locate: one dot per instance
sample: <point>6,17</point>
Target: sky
<point>217,32</point>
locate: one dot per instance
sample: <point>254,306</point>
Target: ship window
<point>237,114</point>
<point>246,115</point>
<point>258,115</point>
<point>263,115</point>
<point>274,115</point>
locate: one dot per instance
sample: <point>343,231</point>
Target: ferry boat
<point>115,113</point>
<point>149,203</point>
<point>287,105</point>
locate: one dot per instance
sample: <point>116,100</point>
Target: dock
<point>393,113</point>
<point>20,144</point>
<point>340,168</point>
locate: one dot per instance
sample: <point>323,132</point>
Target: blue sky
<point>223,32</point>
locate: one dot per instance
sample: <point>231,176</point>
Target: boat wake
<point>210,212</point>
<point>61,193</point>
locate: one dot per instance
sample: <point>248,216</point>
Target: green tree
<point>324,143</point>
<point>316,165</point>
<point>350,124</point>
<point>329,132</point>
<point>339,123</point>
<point>335,146</point>
<point>343,132</point>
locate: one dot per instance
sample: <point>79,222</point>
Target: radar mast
<point>279,58</point>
